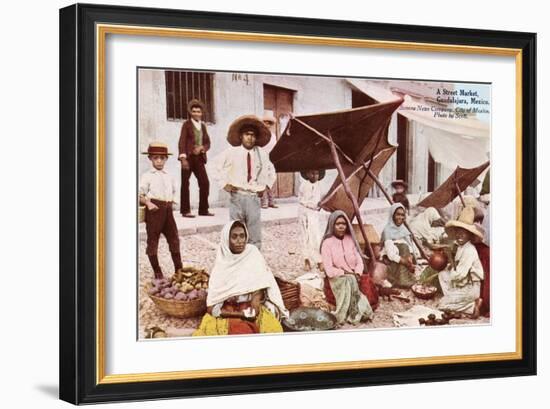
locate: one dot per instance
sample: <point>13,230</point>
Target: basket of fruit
<point>424,292</point>
<point>183,295</point>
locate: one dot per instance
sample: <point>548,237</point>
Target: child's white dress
<point>309,196</point>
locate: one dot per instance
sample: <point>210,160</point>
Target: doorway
<point>402,160</point>
<point>280,102</point>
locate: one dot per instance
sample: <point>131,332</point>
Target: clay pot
<point>438,260</point>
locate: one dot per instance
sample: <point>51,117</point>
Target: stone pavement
<point>373,211</point>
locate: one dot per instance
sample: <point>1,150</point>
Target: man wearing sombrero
<point>244,171</point>
<point>157,191</point>
<point>193,144</point>
<point>461,281</point>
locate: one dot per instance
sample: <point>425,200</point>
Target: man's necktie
<point>248,167</point>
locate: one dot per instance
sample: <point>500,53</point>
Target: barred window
<point>182,87</point>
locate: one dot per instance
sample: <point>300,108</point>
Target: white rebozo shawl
<point>237,274</point>
<point>421,225</point>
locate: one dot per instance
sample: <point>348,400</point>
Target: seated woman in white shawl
<point>243,296</point>
<point>422,226</point>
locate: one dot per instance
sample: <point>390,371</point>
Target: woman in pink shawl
<point>343,265</point>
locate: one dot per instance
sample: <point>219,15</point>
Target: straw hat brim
<point>400,183</point>
<point>452,225</point>
<point>234,134</point>
<point>156,153</point>
<point>322,173</point>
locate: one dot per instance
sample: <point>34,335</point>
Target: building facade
<point>163,96</point>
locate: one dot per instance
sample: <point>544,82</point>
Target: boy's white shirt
<point>158,184</point>
<point>230,168</point>
<point>467,261</point>
<point>309,194</point>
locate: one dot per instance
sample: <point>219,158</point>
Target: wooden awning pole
<point>351,197</point>
<point>460,195</point>
<point>389,199</point>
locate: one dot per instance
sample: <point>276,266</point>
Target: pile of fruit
<point>424,291</point>
<point>188,283</point>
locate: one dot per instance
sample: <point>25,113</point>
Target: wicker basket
<point>290,293</point>
<point>180,309</point>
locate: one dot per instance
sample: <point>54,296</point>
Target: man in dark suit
<point>193,144</point>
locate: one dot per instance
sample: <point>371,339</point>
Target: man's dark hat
<point>399,182</point>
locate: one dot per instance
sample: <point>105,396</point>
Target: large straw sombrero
<point>195,103</point>
<point>465,221</point>
<point>322,173</point>
<point>157,148</point>
<point>263,135</point>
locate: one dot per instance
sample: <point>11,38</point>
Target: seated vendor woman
<point>243,296</point>
<point>399,251</point>
<point>461,280</point>
<point>427,226</point>
<point>343,265</point>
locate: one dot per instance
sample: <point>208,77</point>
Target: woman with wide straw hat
<point>461,280</point>
<point>244,170</point>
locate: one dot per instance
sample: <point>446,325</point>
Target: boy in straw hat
<point>244,170</point>
<point>193,144</point>
<point>460,282</point>
<point>157,191</point>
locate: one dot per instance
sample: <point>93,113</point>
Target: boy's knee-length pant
<point>161,221</point>
<point>246,208</point>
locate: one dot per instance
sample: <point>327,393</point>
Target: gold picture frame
<point>95,24</point>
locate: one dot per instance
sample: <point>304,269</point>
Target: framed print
<point>257,203</point>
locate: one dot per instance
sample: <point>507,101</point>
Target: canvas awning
<point>355,131</point>
<point>336,139</point>
<point>359,182</point>
<point>460,142</point>
<point>447,191</point>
